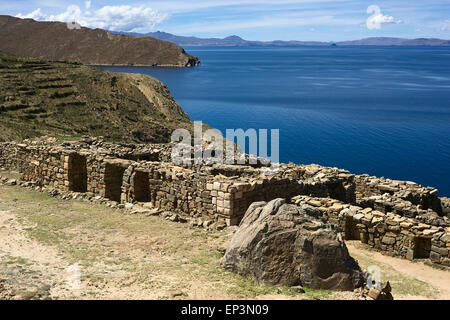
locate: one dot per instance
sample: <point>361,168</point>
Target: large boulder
<point>278,243</point>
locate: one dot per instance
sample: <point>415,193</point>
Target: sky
<point>320,20</point>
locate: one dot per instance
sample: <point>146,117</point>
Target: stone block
<point>435,257</point>
<point>388,240</point>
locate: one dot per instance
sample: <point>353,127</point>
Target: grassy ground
<point>124,256</point>
<point>123,252</point>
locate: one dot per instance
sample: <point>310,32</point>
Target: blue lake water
<point>378,110</point>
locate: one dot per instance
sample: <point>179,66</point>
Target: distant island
<point>238,41</point>
<point>57,42</point>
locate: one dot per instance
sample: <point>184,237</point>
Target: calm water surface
<point>378,110</point>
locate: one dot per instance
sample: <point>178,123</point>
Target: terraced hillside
<point>39,97</point>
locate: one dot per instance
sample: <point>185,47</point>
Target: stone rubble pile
<point>384,292</point>
<point>426,197</point>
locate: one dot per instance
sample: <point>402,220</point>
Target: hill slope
<point>55,41</point>
<point>39,97</point>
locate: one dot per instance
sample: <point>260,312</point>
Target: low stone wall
<point>427,197</point>
<point>389,203</point>
<point>44,165</point>
<point>205,192</point>
<point>170,188</point>
<point>445,206</point>
<point>236,187</point>
<point>242,194</point>
<point>388,232</point>
<point>8,155</point>
<point>221,193</point>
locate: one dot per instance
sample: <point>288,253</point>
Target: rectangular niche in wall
<point>351,230</point>
<point>77,172</point>
<point>113,181</point>
<point>422,248</point>
<point>141,186</point>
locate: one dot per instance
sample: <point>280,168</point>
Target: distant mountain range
<point>386,41</point>
<point>238,41</point>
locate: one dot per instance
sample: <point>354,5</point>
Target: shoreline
<point>142,65</point>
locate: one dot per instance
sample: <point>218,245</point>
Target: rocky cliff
<point>55,41</point>
<point>39,97</point>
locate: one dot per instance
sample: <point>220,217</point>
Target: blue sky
<point>322,20</point>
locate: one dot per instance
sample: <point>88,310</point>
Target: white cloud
<point>445,25</point>
<point>114,18</point>
<point>36,15</point>
<point>377,19</point>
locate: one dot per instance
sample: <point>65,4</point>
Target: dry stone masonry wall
<point>388,232</point>
<point>400,218</point>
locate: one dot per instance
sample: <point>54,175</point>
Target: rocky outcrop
<point>55,41</point>
<point>276,244</point>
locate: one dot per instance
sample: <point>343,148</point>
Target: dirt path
<point>14,242</point>
<point>438,280</point>
<point>28,261</point>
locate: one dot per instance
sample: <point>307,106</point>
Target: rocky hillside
<point>55,41</point>
<point>39,97</point>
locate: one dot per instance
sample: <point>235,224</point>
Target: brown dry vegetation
<point>54,41</point>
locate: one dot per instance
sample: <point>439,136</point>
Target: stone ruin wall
<point>388,232</point>
<point>170,188</point>
<point>369,187</point>
<point>220,195</point>
<point>8,155</point>
<point>206,192</point>
<point>291,180</point>
<point>445,206</point>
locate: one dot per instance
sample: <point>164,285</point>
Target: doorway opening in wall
<point>337,191</point>
<point>77,172</point>
<point>422,248</point>
<point>113,181</point>
<point>351,230</point>
<point>141,186</point>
